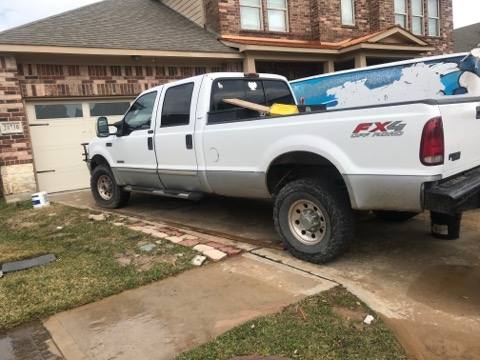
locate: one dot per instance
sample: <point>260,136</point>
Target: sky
<point>17,12</point>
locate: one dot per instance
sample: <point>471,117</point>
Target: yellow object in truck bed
<point>275,109</point>
<point>282,109</point>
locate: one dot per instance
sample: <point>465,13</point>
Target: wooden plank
<point>247,105</point>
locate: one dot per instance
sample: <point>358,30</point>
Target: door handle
<point>150,143</point>
<point>478,112</point>
<point>189,141</point>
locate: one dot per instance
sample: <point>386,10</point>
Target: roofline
<point>41,49</point>
<point>243,47</point>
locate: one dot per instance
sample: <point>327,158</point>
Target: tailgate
<point>461,123</point>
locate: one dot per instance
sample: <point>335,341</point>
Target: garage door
<point>57,130</point>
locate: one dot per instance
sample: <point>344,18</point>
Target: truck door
<point>174,136</point>
<point>133,152</point>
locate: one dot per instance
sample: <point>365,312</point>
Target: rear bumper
<point>455,194</point>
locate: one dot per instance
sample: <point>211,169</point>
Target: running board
<point>165,193</point>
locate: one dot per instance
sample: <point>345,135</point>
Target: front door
<point>174,136</point>
<point>133,152</point>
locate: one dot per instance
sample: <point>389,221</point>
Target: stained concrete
<point>28,342</point>
<point>165,318</point>
<point>427,289</point>
<point>252,218</point>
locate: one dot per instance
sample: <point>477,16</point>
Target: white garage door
<point>57,130</point>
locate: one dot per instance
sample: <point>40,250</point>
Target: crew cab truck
<point>318,166</point>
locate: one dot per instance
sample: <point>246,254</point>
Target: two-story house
<point>57,75</point>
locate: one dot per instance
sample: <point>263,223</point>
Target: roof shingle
<point>466,38</point>
<point>118,24</point>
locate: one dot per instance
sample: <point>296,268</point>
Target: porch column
<point>249,64</point>
<point>329,66</point>
<point>360,61</point>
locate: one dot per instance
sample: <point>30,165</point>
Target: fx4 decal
<point>388,128</point>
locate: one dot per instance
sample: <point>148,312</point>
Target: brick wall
<point>330,26</point>
<point>16,160</point>
<point>50,80</point>
<point>321,20</point>
<point>14,149</point>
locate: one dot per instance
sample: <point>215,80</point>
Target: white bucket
<point>40,200</point>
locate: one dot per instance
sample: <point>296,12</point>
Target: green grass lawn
<point>95,259</point>
<point>326,326</point>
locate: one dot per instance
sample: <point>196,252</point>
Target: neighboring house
<point>466,38</point>
<point>57,75</point>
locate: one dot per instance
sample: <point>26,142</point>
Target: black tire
<point>395,216</point>
<point>118,197</point>
<point>331,202</point>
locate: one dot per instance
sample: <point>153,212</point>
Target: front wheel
<point>105,190</point>
<point>314,219</point>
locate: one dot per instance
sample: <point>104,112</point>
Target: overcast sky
<point>18,12</point>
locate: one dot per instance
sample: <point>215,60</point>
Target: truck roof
<point>221,75</point>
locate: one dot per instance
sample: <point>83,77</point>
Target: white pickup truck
<point>182,140</point>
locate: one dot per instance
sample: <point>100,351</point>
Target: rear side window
<point>176,105</point>
<point>243,89</point>
<point>263,92</point>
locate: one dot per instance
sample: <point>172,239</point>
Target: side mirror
<point>104,129</point>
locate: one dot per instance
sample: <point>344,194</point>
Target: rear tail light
<point>432,147</point>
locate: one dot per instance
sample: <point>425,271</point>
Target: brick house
<point>59,74</point>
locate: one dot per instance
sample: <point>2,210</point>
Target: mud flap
<point>445,226</point>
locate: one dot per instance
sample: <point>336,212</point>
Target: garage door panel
<point>63,180</point>
<point>56,142</point>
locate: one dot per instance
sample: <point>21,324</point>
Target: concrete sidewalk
<point>163,319</point>
<point>427,289</point>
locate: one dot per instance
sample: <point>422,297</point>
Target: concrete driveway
<point>428,290</point>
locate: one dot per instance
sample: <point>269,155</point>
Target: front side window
<point>348,12</point>
<point>417,17</point>
<point>401,13</point>
<point>176,105</point>
<point>433,18</point>
<point>58,111</point>
<point>251,14</point>
<point>139,117</point>
<point>277,15</point>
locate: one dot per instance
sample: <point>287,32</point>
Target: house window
<point>348,12</point>
<point>433,18</point>
<point>277,15</point>
<point>417,17</point>
<point>251,14</point>
<point>401,13</point>
<point>109,109</point>
<point>58,111</point>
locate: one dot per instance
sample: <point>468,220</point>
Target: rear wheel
<point>314,219</point>
<point>105,190</point>
<point>396,216</point>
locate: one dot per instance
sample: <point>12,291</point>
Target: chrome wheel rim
<point>307,222</point>
<point>105,187</point>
